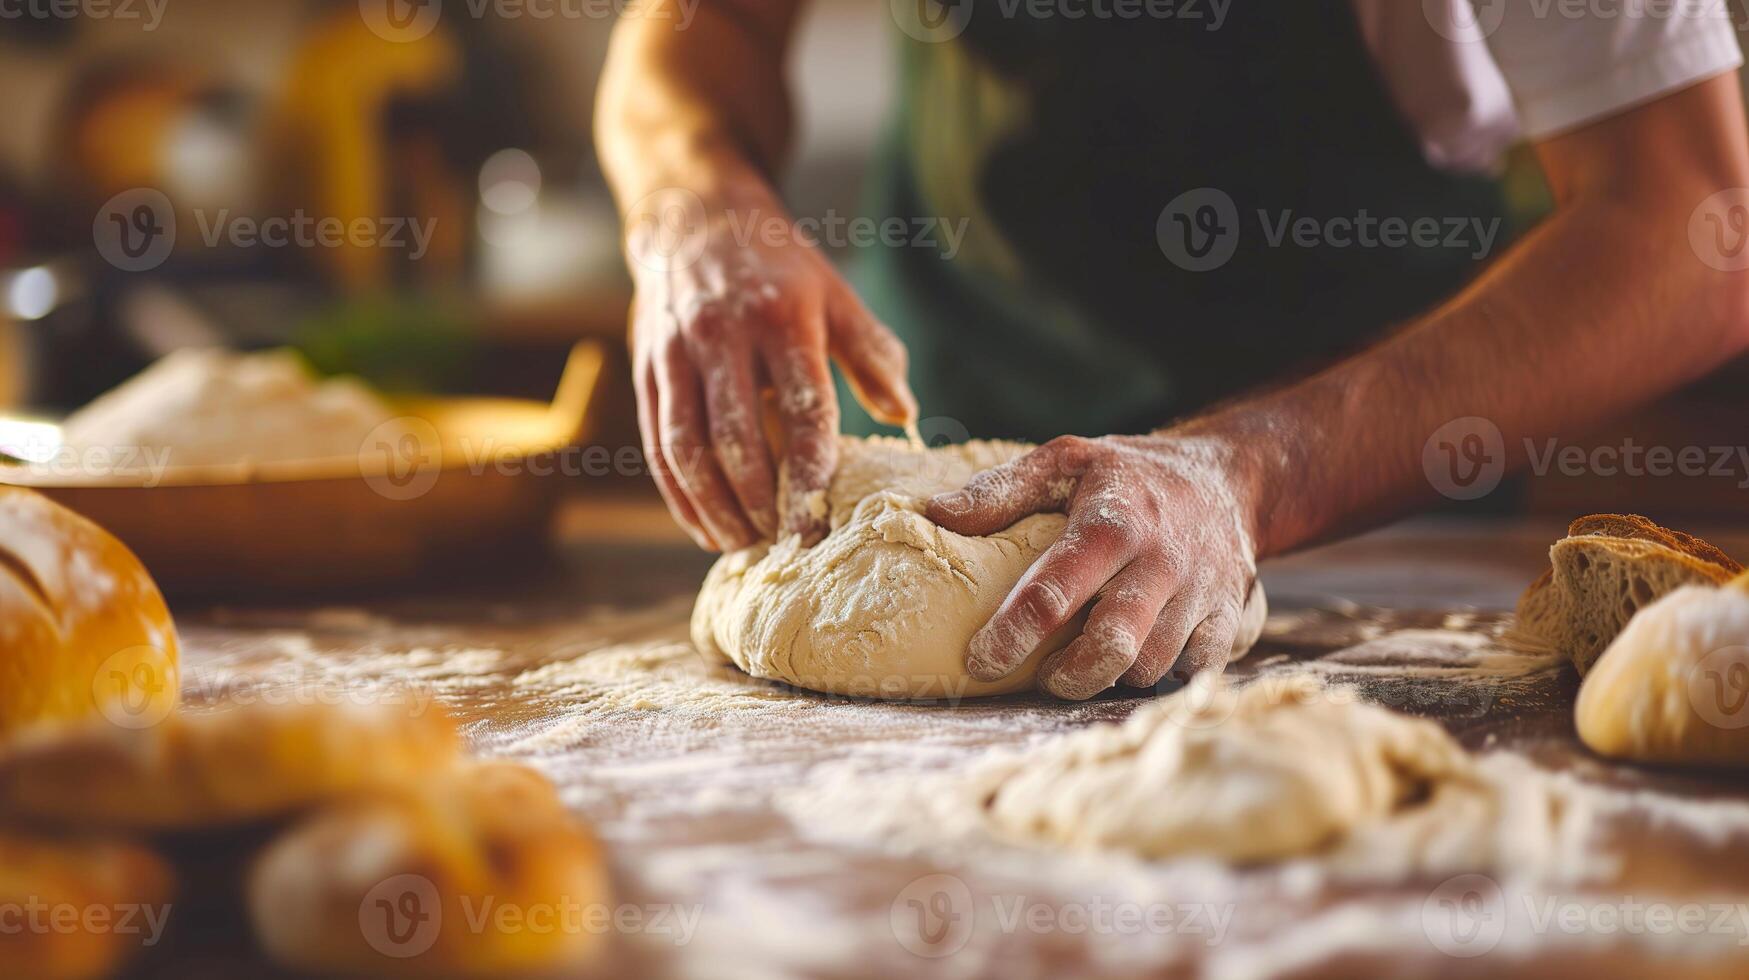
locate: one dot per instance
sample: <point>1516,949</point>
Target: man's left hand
<point>1160,538</point>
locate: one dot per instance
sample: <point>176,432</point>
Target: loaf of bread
<point>84,632</point>
<point>78,908</point>
<point>479,873</point>
<point>1608,567</point>
<point>221,768</point>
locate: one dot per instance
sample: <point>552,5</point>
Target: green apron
<point>1059,142</point>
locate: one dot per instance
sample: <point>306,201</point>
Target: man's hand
<point>715,322</point>
<point>1160,538</point>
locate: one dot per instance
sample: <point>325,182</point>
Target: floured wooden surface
<point>773,825</point>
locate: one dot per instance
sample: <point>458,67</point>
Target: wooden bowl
<point>473,479</point>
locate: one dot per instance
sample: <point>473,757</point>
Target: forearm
<point>705,109</point>
<point>1601,308</point>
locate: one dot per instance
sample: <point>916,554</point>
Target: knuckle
<point>1045,601</point>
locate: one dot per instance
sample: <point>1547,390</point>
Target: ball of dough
<point>84,631</point>
<point>1273,771</point>
<point>886,604</point>
<point>127,885</point>
<point>220,768</point>
<point>1674,686</point>
<point>480,873</point>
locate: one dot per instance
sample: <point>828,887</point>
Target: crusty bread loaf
<point>83,629</point>
<point>479,873</point>
<point>226,767</point>
<point>78,908</point>
<point>1608,567</point>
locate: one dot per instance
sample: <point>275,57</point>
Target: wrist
<point>1255,461</point>
<point>690,210</point>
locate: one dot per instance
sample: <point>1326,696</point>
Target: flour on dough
<point>886,604</point>
<point>212,406</point>
<point>1270,772</point>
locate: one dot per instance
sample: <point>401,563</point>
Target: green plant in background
<point>401,344</point>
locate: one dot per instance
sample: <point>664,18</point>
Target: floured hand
<point>722,314</point>
<point>1160,540</point>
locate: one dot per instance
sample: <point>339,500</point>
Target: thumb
<point>874,361</point>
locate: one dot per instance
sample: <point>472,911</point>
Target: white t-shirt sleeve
<point>1570,62</point>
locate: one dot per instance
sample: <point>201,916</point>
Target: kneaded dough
<point>886,604</point>
<point>1272,771</point>
<point>1674,686</point>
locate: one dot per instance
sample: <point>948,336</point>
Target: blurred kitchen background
<point>240,108</point>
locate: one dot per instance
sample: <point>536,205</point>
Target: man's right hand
<point>729,303</point>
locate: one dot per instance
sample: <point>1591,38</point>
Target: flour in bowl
<point>200,407</point>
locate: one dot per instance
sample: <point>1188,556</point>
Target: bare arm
<point>1601,308</point>
<point>692,124</point>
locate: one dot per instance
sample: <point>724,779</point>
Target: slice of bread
<point>1607,568</point>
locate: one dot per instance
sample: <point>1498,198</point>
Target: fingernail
<point>988,657</point>
<point>951,504</point>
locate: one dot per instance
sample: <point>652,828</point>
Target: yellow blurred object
<point>481,873</point>
<point>327,136</point>
<point>84,632</point>
<point>223,768</point>
<point>117,894</point>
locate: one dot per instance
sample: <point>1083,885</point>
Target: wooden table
<point>581,669</point>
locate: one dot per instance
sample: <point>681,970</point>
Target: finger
<point>738,438</point>
<point>1051,592</point>
<point>1172,629</point>
<point>687,449</point>
<point>874,361</point>
<point>1041,480</point>
<point>1122,617</point>
<point>644,381</point>
<point>807,412</point>
<point>1210,646</point>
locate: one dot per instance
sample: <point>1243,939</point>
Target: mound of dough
<point>84,631</point>
<point>885,605</point>
<point>478,873</point>
<point>1674,686</point>
<point>1273,771</point>
<point>228,767</point>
